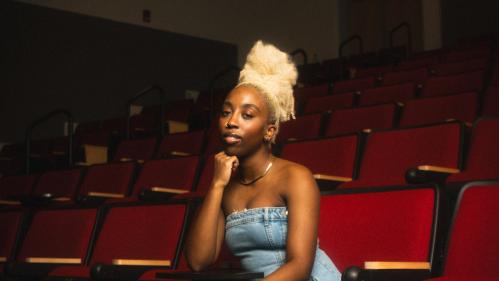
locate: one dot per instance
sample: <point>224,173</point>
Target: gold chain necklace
<point>267,169</point>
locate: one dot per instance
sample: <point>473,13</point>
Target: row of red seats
<point>362,230</point>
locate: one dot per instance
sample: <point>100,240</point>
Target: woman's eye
<point>225,113</point>
<point>247,116</point>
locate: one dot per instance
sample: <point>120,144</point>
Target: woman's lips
<point>232,139</point>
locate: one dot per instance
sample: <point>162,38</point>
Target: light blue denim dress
<point>258,237</point>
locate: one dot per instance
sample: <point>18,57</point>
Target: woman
<point>267,208</point>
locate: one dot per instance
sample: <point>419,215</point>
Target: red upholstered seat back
<point>191,143</point>
<point>417,76</point>
<point>176,173</point>
<point>16,186</point>
<point>58,183</point>
<point>377,226</point>
<point>301,128</point>
<point>334,156</point>
<point>312,91</point>
<point>331,102</point>
<point>418,62</point>
<point>110,178</point>
<point>460,66</point>
<point>491,102</point>
<point>352,120</point>
<point>10,222</point>
<point>482,161</point>
<point>140,232</point>
<point>206,174</point>
<point>61,233</point>
<point>139,149</point>
<point>386,94</point>
<point>451,84</point>
<point>353,85</point>
<point>388,154</point>
<point>473,248</point>
<point>462,107</point>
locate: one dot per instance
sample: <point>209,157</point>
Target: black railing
<point>151,89</point>
<point>302,52</point>
<point>43,119</point>
<point>351,39</point>
<point>409,35</point>
<point>214,80</point>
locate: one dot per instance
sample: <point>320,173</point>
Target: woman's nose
<point>231,122</point>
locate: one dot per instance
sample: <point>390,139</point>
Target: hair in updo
<point>272,73</point>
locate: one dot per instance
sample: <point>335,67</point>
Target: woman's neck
<point>253,166</point>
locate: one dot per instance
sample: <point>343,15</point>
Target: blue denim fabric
<point>258,237</point>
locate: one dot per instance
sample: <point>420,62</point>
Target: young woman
<point>266,208</point>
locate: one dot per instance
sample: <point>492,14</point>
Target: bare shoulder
<point>295,177</point>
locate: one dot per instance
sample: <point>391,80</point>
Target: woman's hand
<point>224,167</point>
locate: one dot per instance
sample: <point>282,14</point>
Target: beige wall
<point>233,21</point>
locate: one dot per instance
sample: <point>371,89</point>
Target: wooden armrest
<point>140,161</point>
<point>438,169</point>
<point>142,262</point>
<point>9,202</point>
<point>58,153</point>
<point>105,194</point>
<point>54,260</point>
<point>367,130</point>
<point>396,265</point>
<point>177,127</point>
<point>168,190</point>
<point>124,159</point>
<point>179,153</point>
<point>3,259</point>
<point>82,164</point>
<point>292,139</point>
<point>95,154</point>
<point>61,199</point>
<point>331,178</point>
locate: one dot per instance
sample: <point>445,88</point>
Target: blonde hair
<point>272,73</point>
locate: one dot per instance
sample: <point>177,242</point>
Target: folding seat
<point>380,229</point>
<point>312,91</point>
<point>13,188</point>
<point>213,141</point>
<point>138,150</point>
<point>462,107</point>
<point>88,127</point>
<point>473,248</point>
<point>386,94</point>
<point>134,237</point>
<point>450,68</point>
<point>107,181</point>
<point>12,159</point>
<point>417,76</point>
<point>389,154</point>
<point>490,104</point>
<point>451,84</point>
<point>11,223</point>
<point>331,160</point>
<point>482,160</point>
<point>354,85</point>
<point>58,185</point>
<point>176,118</point>
<point>163,178</point>
<point>418,62</point>
<point>181,144</point>
<point>467,54</point>
<point>350,120</point>
<point>326,103</point>
<point>301,128</point>
<point>55,237</point>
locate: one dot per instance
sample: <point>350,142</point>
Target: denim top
<point>258,237</point>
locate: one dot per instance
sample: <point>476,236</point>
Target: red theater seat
<point>13,188</point>
<point>181,144</point>
<point>58,185</point>
<point>343,121</point>
<point>462,107</point>
<point>389,154</point>
<point>331,160</point>
<point>417,76</point>
<point>490,106</point>
<point>331,102</point>
<point>54,234</point>
<point>10,223</point>
<point>452,84</point>
<point>302,128</point>
<point>378,225</point>
<point>386,94</point>
<point>460,66</point>
<point>354,85</point>
<point>312,91</point>
<point>419,62</point>
<point>473,248</point>
<point>138,150</point>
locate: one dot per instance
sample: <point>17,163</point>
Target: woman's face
<point>244,121</point>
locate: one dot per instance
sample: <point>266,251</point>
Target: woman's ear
<point>270,132</point>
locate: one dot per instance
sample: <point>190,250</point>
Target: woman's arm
<point>206,233</point>
<point>303,199</point>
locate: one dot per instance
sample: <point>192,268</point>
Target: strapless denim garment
<point>258,237</point>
